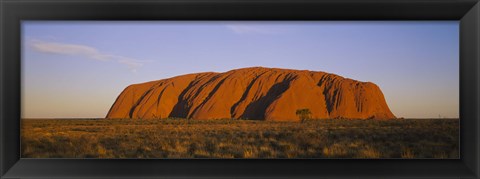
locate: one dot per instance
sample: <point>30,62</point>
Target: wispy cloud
<point>84,51</point>
<point>251,29</point>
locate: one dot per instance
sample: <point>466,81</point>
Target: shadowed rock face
<point>252,93</point>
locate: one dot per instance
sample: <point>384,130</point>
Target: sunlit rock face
<point>252,93</point>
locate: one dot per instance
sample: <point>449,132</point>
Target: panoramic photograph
<point>240,89</point>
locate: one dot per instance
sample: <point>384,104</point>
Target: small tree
<point>303,114</point>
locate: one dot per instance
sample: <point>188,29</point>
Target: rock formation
<point>252,93</point>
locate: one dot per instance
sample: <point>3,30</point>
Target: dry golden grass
<point>180,138</point>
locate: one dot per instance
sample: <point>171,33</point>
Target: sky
<point>76,69</point>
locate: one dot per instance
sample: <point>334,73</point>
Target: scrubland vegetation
<point>181,138</point>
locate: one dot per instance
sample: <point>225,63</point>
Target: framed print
<point>239,89</point>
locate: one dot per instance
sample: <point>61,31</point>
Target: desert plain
<point>227,138</point>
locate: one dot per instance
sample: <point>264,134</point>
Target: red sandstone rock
<point>252,93</point>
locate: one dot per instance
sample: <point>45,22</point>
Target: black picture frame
<point>12,12</point>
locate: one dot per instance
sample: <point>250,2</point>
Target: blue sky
<point>76,69</point>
